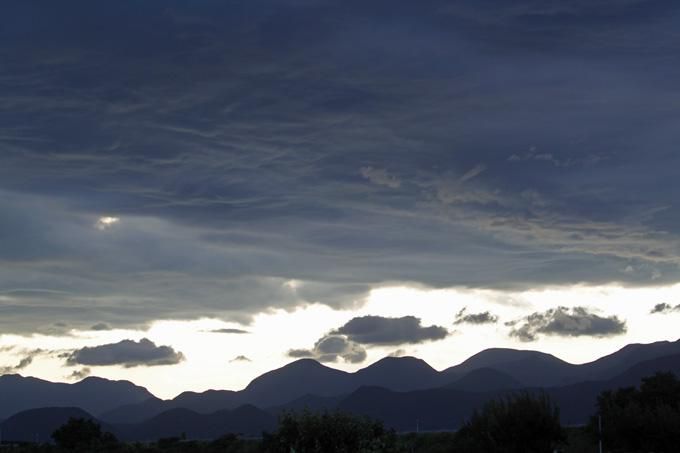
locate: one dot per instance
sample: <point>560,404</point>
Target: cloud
<point>80,374</point>
<point>566,322</point>
<point>378,330</point>
<point>100,326</point>
<point>664,308</point>
<point>23,363</point>
<point>240,358</point>
<point>27,360</point>
<point>231,186</point>
<point>331,348</point>
<point>229,331</point>
<point>380,177</point>
<point>127,353</point>
<point>472,173</point>
<point>475,318</point>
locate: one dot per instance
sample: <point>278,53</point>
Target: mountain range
<point>404,392</point>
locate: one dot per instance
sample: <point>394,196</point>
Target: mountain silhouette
<point>485,380</point>
<point>530,368</point>
<point>94,395</point>
<point>425,410</point>
<point>614,364</point>
<point>296,379</point>
<point>288,383</point>
<point>397,373</point>
<point>397,390</point>
<point>245,420</point>
<point>446,408</point>
<point>37,425</point>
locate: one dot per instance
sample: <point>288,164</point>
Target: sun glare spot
<point>104,223</point>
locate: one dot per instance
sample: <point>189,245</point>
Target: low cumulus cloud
<point>475,318</point>
<point>79,375</point>
<point>240,358</point>
<point>331,348</point>
<point>664,309</point>
<point>127,353</point>
<point>378,330</point>
<point>347,342</point>
<point>566,322</point>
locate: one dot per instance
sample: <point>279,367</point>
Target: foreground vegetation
<point>634,420</point>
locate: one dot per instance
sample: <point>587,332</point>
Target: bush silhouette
<point>521,423</point>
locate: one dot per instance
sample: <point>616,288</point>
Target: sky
<point>194,192</point>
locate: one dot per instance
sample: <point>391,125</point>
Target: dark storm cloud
<point>378,330</point>
<point>566,322</point>
<point>127,353</point>
<point>340,145</point>
<point>475,318</point>
<point>664,308</point>
<point>331,348</point>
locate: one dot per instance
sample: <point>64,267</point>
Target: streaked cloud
<point>398,157</point>
<point>229,331</point>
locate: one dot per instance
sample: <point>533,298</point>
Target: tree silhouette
<point>641,420</point>
<point>520,423</point>
<point>81,433</point>
<point>326,432</point>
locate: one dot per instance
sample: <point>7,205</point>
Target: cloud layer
<point>198,166</point>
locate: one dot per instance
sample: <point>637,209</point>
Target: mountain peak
<point>398,362</point>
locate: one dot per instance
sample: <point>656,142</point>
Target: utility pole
<point>599,427</point>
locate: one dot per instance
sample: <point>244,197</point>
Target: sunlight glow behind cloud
<point>106,222</point>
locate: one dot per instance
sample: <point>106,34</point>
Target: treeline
<point>628,420</point>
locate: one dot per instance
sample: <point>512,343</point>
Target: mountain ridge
<point>506,368</point>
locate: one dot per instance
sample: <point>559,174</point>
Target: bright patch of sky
<point>272,334</point>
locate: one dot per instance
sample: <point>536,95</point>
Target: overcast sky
<point>336,179</point>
